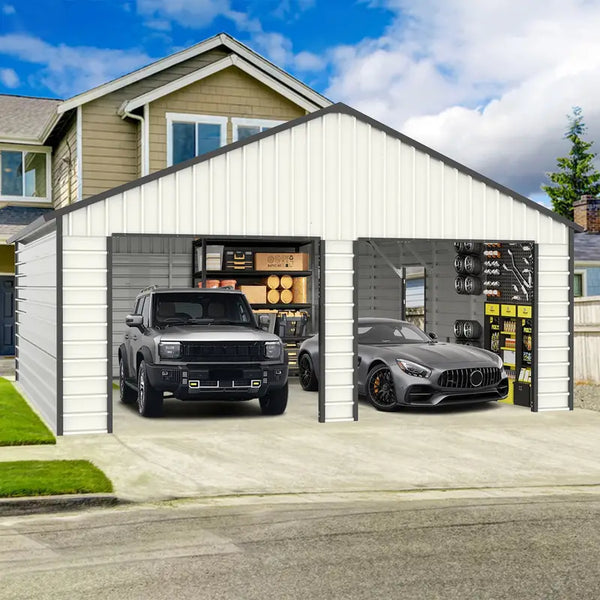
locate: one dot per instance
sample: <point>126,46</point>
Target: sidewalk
<point>230,450</point>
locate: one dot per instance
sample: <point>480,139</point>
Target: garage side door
<point>139,262</point>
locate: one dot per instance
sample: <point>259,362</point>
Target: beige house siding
<point>64,168</point>
<point>228,93</point>
<point>110,148</point>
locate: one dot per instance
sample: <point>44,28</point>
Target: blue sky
<point>487,83</point>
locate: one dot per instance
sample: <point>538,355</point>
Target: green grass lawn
<point>19,425</point>
<point>51,477</point>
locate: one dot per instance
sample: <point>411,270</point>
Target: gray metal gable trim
<point>338,108</point>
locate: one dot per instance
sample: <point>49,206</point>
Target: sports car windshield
<point>390,333</point>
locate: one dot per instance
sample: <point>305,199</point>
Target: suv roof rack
<point>149,288</point>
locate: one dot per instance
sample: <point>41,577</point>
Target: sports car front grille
<point>469,378</point>
<point>223,352</point>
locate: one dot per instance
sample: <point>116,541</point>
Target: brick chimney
<point>586,213</point>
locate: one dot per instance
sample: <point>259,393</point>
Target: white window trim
<point>191,118</point>
<point>583,273</point>
<point>237,121</point>
<point>47,199</point>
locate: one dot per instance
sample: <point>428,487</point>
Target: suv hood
<point>215,333</point>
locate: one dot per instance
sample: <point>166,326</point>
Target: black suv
<point>199,344</point>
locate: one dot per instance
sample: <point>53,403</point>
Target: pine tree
<point>577,175</point>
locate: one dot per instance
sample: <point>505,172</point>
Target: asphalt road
<point>536,547</point>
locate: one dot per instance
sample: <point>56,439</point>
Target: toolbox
<point>239,260</point>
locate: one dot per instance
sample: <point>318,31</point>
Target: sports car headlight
<point>413,368</point>
<point>169,349</point>
<point>273,349</point>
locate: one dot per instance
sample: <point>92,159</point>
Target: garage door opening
<point>279,276</point>
<point>473,294</point>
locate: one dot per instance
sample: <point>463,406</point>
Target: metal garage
<point>334,175</point>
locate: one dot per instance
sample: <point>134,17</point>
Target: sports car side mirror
<point>433,336</point>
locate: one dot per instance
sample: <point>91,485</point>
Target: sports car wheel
<point>308,378</point>
<point>380,389</point>
<point>126,394</point>
<point>149,400</point>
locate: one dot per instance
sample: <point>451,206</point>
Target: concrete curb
<point>47,504</point>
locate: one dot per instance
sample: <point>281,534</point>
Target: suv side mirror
<point>134,321</point>
<point>433,336</point>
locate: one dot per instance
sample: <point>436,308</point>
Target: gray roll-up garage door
<point>140,261</point>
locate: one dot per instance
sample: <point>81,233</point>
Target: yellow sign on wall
<point>524,312</point>
<point>492,309</point>
<point>509,310</point>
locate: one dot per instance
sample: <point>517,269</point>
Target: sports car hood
<point>440,355</point>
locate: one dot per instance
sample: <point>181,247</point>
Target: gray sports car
<point>400,365</point>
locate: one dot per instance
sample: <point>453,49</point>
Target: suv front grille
<point>469,378</point>
<point>223,352</point>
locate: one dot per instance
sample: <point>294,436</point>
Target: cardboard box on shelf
<point>291,261</point>
<point>256,294</point>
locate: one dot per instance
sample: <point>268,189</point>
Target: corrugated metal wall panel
<point>36,334</point>
<point>339,323</point>
<point>342,179</point>
<point>84,328</point>
<point>139,262</point>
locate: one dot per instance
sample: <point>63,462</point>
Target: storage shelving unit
<point>509,333</point>
<point>247,276</point>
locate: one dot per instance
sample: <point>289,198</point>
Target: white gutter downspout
<point>143,166</point>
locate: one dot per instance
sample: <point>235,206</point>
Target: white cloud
<point>487,83</point>
<point>307,61</point>
<point>8,9</point>
<point>9,78</point>
<point>67,71</point>
<point>188,13</point>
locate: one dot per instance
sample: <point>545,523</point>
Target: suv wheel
<point>149,400</point>
<point>275,402</point>
<point>127,395</point>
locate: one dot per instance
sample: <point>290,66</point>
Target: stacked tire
<point>468,265</point>
<point>467,332</point>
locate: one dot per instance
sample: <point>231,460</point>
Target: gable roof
<point>222,39</point>
<point>24,119</point>
<point>211,69</point>
<point>338,108</point>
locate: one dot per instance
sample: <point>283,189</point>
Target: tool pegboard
<point>508,272</point>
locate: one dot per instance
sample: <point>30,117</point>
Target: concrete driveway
<point>224,450</point>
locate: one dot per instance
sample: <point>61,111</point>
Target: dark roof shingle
<point>24,118</point>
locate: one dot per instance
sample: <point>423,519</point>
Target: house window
<point>578,284</point>
<point>192,135</point>
<point>24,174</point>
<point>244,128</point>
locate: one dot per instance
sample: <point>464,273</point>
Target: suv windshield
<point>177,309</point>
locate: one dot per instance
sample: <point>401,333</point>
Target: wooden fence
<point>586,351</point>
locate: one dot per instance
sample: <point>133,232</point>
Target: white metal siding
<point>35,310</point>
<point>139,262</point>
<point>84,334</point>
<point>338,178</point>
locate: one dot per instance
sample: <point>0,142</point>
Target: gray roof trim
<point>338,108</point>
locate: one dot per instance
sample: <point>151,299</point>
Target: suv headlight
<point>273,349</point>
<point>169,349</point>
<point>413,368</point>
